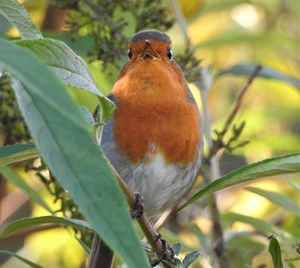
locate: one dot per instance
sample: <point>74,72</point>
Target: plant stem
<point>219,247</point>
<point>217,230</point>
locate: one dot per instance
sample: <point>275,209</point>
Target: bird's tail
<point>101,255</point>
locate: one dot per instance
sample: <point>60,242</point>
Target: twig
<point>238,101</point>
<point>218,236</point>
<point>219,143</point>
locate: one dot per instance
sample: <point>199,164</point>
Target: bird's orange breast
<point>153,114</point>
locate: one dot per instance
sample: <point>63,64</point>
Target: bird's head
<point>151,67</point>
<point>150,45</point>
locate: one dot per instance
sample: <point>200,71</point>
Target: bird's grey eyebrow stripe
<point>150,35</point>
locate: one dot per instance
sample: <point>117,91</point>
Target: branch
<point>219,143</point>
<point>146,225</point>
<point>102,255</point>
<point>238,101</point>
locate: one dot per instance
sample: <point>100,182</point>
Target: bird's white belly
<point>160,183</point>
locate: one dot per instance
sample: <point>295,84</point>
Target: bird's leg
<point>168,252</point>
<point>138,208</point>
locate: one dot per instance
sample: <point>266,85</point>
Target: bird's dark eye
<point>170,53</point>
<point>129,54</point>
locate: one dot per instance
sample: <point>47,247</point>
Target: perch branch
<point>162,250</point>
<point>148,229</point>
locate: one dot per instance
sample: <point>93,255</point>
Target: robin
<point>153,139</point>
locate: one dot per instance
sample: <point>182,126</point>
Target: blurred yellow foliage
<point>189,7</point>
<point>57,249</point>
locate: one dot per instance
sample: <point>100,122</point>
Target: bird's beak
<point>148,51</point>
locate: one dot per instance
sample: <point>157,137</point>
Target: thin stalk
<point>219,245</point>
<point>218,235</point>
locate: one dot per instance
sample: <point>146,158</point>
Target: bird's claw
<point>138,208</point>
<point>168,252</point>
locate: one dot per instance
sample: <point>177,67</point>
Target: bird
<point>153,140</point>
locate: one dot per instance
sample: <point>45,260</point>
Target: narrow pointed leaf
<point>275,251</point>
<point>190,258</point>
<point>269,167</point>
<point>266,72</point>
<point>177,248</point>
<point>16,153</point>
<point>25,223</point>
<point>22,259</point>
<point>88,116</point>
<point>278,199</point>
<point>17,15</point>
<point>203,240</point>
<point>13,177</point>
<point>64,140</point>
<point>295,185</point>
<point>5,25</point>
<point>262,38</point>
<point>68,66</point>
<point>258,224</point>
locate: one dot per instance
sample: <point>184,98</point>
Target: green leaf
<point>278,199</point>
<point>64,140</point>
<point>266,72</point>
<point>295,185</point>
<point>68,66</point>
<point>268,167</point>
<point>5,25</point>
<point>263,39</point>
<point>16,153</point>
<point>88,116</point>
<point>203,240</point>
<point>177,248</point>
<point>260,225</point>
<point>190,258</point>
<point>107,109</point>
<point>293,260</point>
<point>275,251</point>
<point>28,262</point>
<point>16,14</point>
<point>25,223</point>
<point>13,177</point>
<point>80,44</point>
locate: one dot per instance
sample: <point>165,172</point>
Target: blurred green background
<point>224,33</point>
